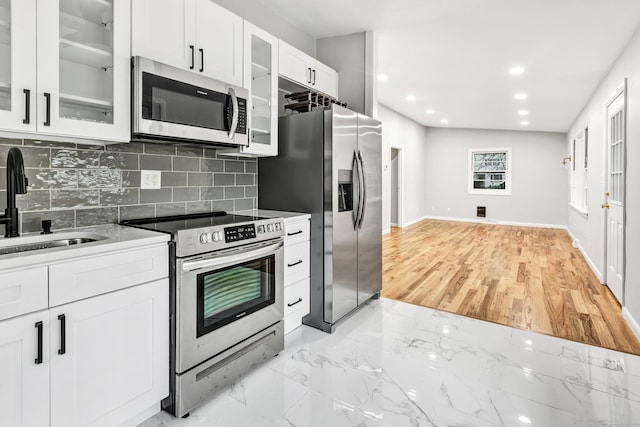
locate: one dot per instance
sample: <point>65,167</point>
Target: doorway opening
<point>396,187</point>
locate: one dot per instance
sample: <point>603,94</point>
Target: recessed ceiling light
<point>444,121</point>
<point>523,113</point>
<point>516,71</point>
<point>520,96</point>
<point>524,420</point>
<point>524,123</point>
<point>411,98</point>
<point>430,111</point>
<point>383,77</point>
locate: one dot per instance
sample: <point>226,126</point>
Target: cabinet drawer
<point>23,291</point>
<point>296,263</point>
<point>296,304</point>
<point>72,281</point>
<point>296,232</point>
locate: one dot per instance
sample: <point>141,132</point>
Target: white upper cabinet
<point>301,68</point>
<point>17,65</point>
<point>197,35</point>
<point>261,78</point>
<point>80,85</point>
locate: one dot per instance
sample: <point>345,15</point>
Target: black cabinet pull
<point>39,355</point>
<point>47,120</point>
<point>295,263</point>
<point>294,233</point>
<point>309,81</point>
<point>201,60</point>
<point>193,57</point>
<point>63,335</point>
<point>27,108</point>
<point>314,78</point>
<point>291,304</point>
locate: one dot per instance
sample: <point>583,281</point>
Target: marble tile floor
<point>396,364</point>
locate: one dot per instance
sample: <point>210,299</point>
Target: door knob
<point>605,206</point>
<point>607,194</point>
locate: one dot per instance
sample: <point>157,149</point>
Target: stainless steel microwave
<point>170,104</point>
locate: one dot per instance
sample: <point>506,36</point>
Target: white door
<point>17,65</point>
<point>84,69</point>
<point>219,42</point>
<point>324,79</point>
<point>394,188</point>
<point>164,31</point>
<point>292,64</point>
<point>615,194</point>
<point>114,359</point>
<point>24,383</point>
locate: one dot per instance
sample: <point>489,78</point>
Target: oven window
<point>171,101</point>
<point>231,293</point>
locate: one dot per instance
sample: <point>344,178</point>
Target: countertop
<point>118,237</point>
<point>265,213</point>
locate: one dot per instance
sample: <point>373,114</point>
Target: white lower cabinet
<point>109,356</point>
<point>296,271</point>
<point>24,378</point>
<point>99,359</point>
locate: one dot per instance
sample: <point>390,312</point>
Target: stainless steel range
<point>226,300</point>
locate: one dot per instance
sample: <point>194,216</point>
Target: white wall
<point>538,194</point>
<point>265,18</point>
<point>397,130</point>
<point>589,229</point>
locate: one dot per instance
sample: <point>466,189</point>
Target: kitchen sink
<point>40,242</point>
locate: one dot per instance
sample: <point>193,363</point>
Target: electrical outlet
<point>150,179</point>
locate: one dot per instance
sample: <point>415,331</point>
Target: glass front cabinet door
<point>261,78</point>
<point>17,65</point>
<point>84,68</point>
<point>69,75</point>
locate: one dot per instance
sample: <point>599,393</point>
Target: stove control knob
<point>278,226</point>
<point>261,229</point>
<point>204,238</point>
<point>269,227</point>
<point>215,236</point>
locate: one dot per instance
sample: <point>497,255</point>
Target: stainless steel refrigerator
<point>329,164</point>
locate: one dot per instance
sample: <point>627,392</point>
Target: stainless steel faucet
<point>16,184</point>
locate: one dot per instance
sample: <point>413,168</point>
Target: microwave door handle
<point>234,112</point>
<point>236,258</point>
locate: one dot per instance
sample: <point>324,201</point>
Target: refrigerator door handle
<point>355,169</point>
<point>362,190</point>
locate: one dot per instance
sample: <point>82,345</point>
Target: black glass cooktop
<point>172,224</point>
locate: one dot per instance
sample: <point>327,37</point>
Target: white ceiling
<point>453,55</point>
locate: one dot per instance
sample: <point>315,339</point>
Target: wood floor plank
<point>528,278</point>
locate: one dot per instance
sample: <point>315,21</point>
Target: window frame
<point>579,171</point>
<point>488,191</point>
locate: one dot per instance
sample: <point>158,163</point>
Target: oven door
<point>171,103</point>
<point>226,297</point>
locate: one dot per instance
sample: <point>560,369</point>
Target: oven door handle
<point>232,259</point>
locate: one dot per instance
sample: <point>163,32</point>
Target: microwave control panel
<point>239,232</point>
<point>242,116</point>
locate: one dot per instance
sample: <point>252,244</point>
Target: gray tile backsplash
<point>78,185</point>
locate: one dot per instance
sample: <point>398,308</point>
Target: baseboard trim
<point>387,231</point>
<point>415,221</point>
<point>635,327</point>
<point>497,222</point>
<point>586,257</point>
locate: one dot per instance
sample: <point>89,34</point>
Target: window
<point>490,171</point>
<point>579,164</point>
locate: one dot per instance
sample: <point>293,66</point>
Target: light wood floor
<point>527,278</point>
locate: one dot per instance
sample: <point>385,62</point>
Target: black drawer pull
<point>294,233</point>
<point>291,304</point>
<point>63,339</point>
<point>295,263</point>
<point>47,120</point>
<point>39,355</point>
<point>27,108</point>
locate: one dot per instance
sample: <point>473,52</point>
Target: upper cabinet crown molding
<point>303,69</point>
<point>196,35</point>
<point>69,77</point>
